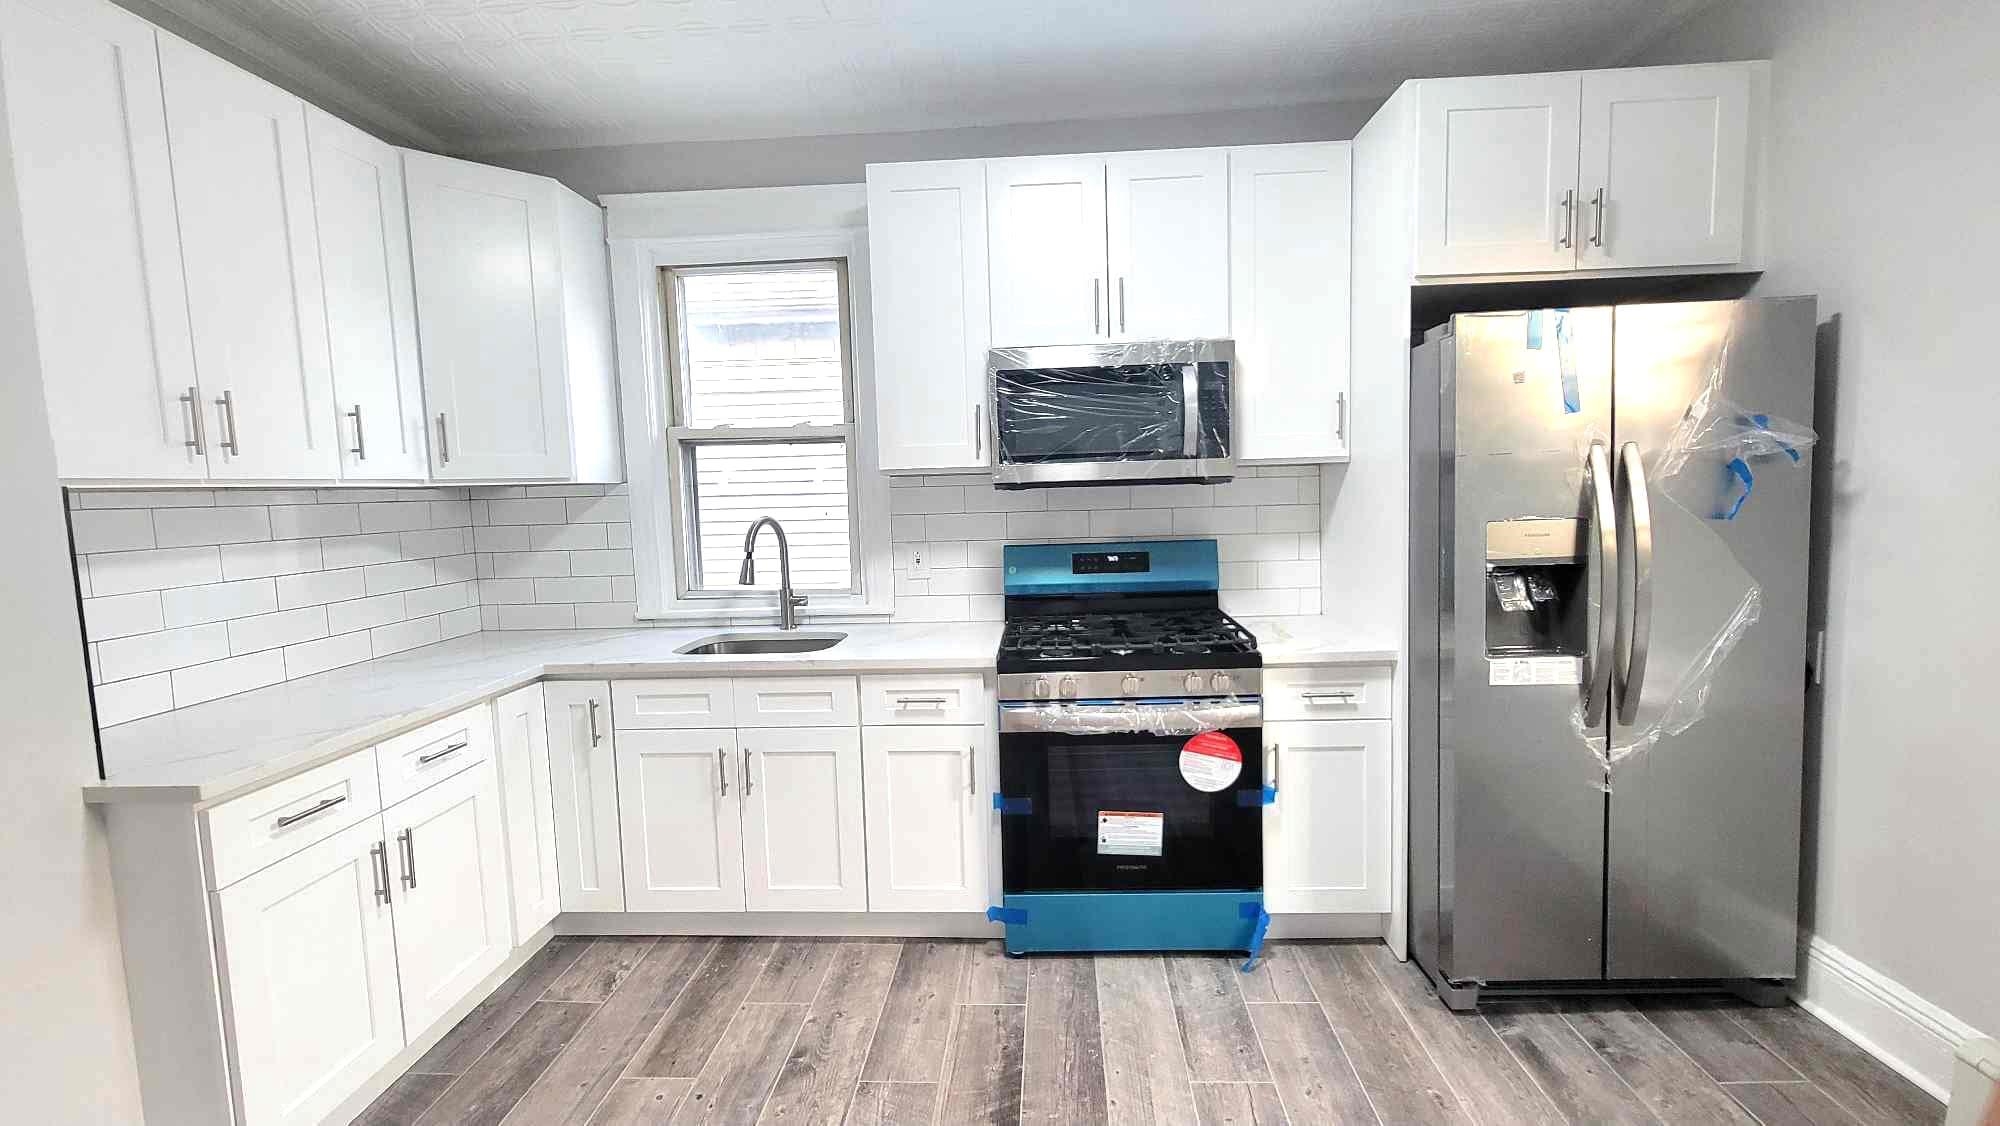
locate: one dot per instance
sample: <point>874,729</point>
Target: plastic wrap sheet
<point>1704,476</point>
<point>1158,718</point>
<point>1159,401</point>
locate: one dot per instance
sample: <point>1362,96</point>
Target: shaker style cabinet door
<point>522,736</point>
<point>371,311</point>
<point>802,825</point>
<point>1167,223</point>
<point>1045,231</point>
<point>490,319</point>
<point>243,192</point>
<point>927,830</point>
<point>1663,165</point>
<point>1496,174</point>
<point>1289,209</point>
<point>80,82</point>
<point>449,857</point>
<point>1326,839</point>
<point>583,786</point>
<point>927,278</point>
<point>307,954</point>
<point>680,800</point>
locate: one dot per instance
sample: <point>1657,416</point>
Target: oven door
<point>1094,797</point>
<point>1155,412</point>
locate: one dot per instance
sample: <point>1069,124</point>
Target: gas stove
<point>1125,620</point>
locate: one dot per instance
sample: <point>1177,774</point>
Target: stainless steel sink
<point>788,642</point>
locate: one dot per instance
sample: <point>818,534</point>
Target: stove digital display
<point>1110,562</point>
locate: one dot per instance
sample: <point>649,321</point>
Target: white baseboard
<point>1883,1017</point>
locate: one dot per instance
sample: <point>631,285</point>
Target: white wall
<point>1883,165</point>
<point>65,1034</point>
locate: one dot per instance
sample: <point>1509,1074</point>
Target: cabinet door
<point>1167,224</point>
<point>371,310</point>
<point>1045,233</point>
<point>450,860</point>
<point>926,830</point>
<point>308,968</point>
<point>1289,208</point>
<point>927,276</point>
<point>1326,839</point>
<point>1662,166</point>
<point>1496,174</point>
<point>522,734</point>
<point>679,800</point>
<point>80,83</point>
<point>243,191</point>
<point>583,784</point>
<point>489,315</point>
<point>802,838</point>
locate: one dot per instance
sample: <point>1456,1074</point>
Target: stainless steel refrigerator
<point>1609,520</point>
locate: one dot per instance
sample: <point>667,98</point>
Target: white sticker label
<point>1211,762</point>
<point>1120,833</point>
<point>1517,672</point>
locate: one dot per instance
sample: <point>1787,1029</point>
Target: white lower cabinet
<point>450,893</point>
<point>927,833</point>
<point>802,825</point>
<point>583,784</point>
<point>307,953</point>
<point>520,722</point>
<point>1326,839</point>
<point>678,800</point>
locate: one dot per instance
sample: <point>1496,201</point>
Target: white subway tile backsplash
<point>618,535</point>
<point>217,602</point>
<point>990,499</point>
<point>451,514</point>
<point>1300,573</point>
<point>126,700</point>
<point>437,599</point>
<point>123,572</point>
<point>217,679</point>
<point>1288,517</point>
<point>906,502</point>
<point>537,617</point>
<point>144,498</point>
<point>1257,547</point>
<point>949,553</point>
<point>121,615</point>
<point>600,562</point>
<point>267,497</point>
<point>598,510</point>
<point>1126,523</point>
<point>1214,521</point>
<point>510,537</point>
<point>439,541</point>
<point>546,510</point>
<point>1253,603</point>
<point>934,608</point>
<point>524,564</point>
<point>385,640</point>
<point>363,613</point>
<point>593,589</point>
<point>457,568</point>
<point>1046,526</point>
<point>606,615</point>
<point>111,529</point>
<point>985,608</point>
<point>501,592</point>
<point>395,516</point>
<point>125,657</point>
<point>316,588</point>
<point>1257,490</point>
<point>965,580</point>
<point>338,651</point>
<point>458,623</point>
<point>903,529</point>
<point>387,578</point>
<point>360,551</point>
<point>1092,497</point>
<point>277,557</point>
<point>298,521</point>
<point>566,537</point>
<point>192,527</point>
<point>275,631</point>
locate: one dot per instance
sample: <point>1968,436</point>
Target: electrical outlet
<point>920,563</point>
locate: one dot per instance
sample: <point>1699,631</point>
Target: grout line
<point>1763,1082</point>
<point>1611,1067</point>
<point>1772,1048</point>
<point>876,1031</point>
<point>1347,1056</point>
<point>1518,1065</point>
<point>1389,991</point>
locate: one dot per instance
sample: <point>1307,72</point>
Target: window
<point>761,406</point>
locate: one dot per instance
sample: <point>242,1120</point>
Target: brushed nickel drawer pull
<point>408,839</point>
<point>379,863</point>
<point>436,755</point>
<point>301,815</point>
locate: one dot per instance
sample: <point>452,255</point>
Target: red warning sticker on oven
<point>1211,761</point>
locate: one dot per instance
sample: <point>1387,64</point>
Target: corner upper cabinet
<point>1663,165</point>
<point>1289,225</point>
<point>514,325</point>
<point>927,279</point>
<point>86,127</point>
<point>371,311</point>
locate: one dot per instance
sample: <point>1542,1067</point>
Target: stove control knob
<point>1067,686</point>
<point>1040,688</point>
<point>1129,685</point>
<point>1221,682</point>
<point>1192,683</point>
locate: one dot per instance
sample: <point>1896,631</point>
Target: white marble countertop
<point>216,750</point>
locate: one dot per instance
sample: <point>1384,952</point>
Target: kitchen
<point>394,519</point>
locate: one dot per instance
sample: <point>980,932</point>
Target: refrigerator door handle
<point>1601,517</point>
<point>1635,580</point>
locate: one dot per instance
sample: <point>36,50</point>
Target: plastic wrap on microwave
<point>1701,479</point>
<point>1159,408</point>
<point>1158,718</point>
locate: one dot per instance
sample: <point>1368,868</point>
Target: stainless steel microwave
<point>1152,411</point>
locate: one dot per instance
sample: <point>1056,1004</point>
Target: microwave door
<point>1072,416</point>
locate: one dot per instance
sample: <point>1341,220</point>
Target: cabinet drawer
<point>247,834</point>
<point>797,701</point>
<point>639,705</point>
<point>925,699</point>
<point>434,752</point>
<point>1334,692</point>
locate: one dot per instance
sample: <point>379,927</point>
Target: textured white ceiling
<point>493,75</point>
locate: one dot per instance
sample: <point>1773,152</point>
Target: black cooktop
<point>1196,638</point>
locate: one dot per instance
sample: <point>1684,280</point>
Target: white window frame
<point>639,309</point>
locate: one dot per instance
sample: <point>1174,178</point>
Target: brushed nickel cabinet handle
<point>1121,304</point>
<point>749,779</point>
<point>1597,218</point>
<point>970,785</point>
<point>444,442</point>
<point>1568,238</point>
<point>194,439</point>
<point>301,815</point>
<point>929,701</point>
<point>596,736</point>
<point>978,435</point>
<point>360,450</point>
<point>1277,756</point>
<point>1340,418</point>
<point>722,770</point>
<point>379,868</point>
<point>408,839</point>
<point>228,404</point>
<point>1096,313</point>
<point>436,755</point>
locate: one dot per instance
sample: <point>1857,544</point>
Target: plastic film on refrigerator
<point>1159,409</point>
<point>1704,477</point>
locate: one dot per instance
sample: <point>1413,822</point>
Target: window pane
<point>761,347</point>
<point>803,485</point>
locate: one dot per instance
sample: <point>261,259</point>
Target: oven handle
<point>1178,718</point>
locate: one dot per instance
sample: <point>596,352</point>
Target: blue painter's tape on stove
<point>1132,920</point>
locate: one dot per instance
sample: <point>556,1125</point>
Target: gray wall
<point>1882,173</point>
<point>683,166</point>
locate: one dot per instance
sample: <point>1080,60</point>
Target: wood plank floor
<point>639,1030</point>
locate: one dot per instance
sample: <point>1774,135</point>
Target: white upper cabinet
<point>371,310</point>
<point>927,277</point>
<point>1045,233</point>
<point>1167,225</point>
<point>513,308</point>
<point>243,192</point>
<point>1289,222</point>
<point>87,128</point>
<point>1662,166</point>
<point>1496,174</point>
